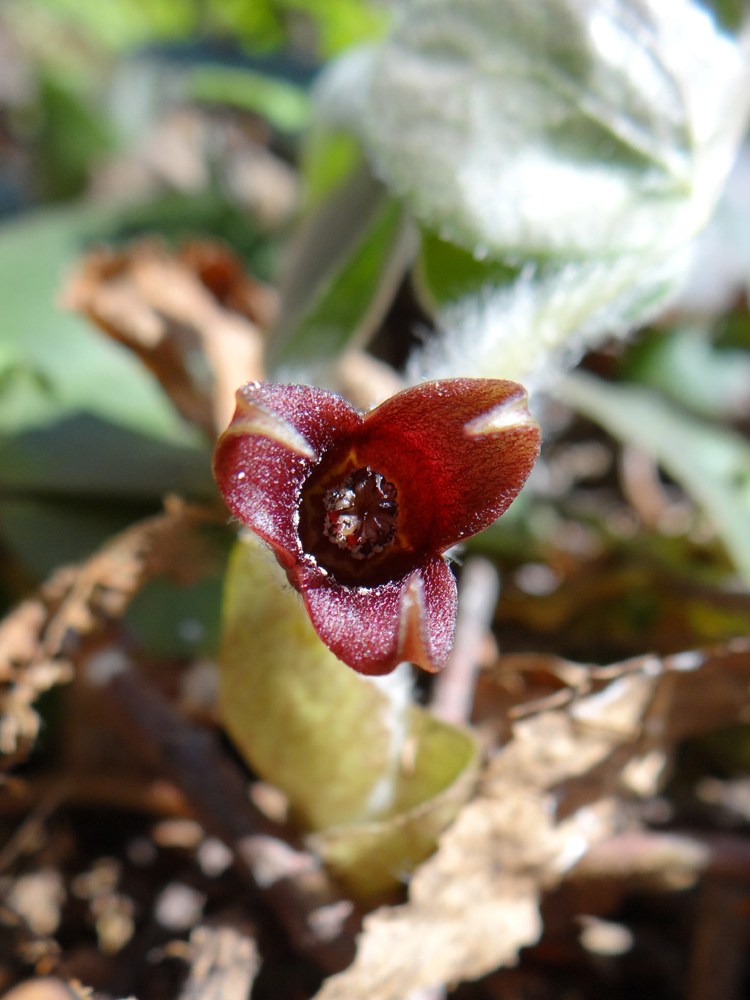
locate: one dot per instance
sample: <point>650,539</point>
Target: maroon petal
<point>373,630</point>
<point>276,436</point>
<point>465,445</point>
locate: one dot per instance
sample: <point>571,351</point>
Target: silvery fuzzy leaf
<point>580,143</point>
<point>544,320</point>
<point>564,127</point>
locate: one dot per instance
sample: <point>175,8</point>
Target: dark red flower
<point>359,510</point>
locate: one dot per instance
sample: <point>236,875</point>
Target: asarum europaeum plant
<point>359,509</point>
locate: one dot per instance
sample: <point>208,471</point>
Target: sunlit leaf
<point>552,127</point>
<point>346,268</point>
<point>121,23</point>
<point>82,369</point>
<point>331,739</point>
<point>581,145</point>
<point>284,105</point>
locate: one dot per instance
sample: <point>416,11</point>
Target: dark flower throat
<point>349,521</point>
<point>361,513</point>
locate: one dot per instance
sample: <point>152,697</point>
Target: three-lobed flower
<point>360,509</point>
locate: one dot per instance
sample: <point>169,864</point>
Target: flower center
<point>361,513</point>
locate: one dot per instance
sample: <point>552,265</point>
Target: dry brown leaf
<point>38,898</point>
<point>37,637</point>
<point>223,963</point>
<point>475,902</point>
<point>171,309</point>
<point>225,277</point>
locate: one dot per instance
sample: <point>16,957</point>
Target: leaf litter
<point>39,637</point>
<point>565,781</point>
<point>194,318</point>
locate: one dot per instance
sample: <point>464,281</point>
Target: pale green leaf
<point>347,264</point>
<point>530,328</point>
<point>331,739</point>
<point>370,858</point>
<point>711,463</point>
<point>304,720</point>
<point>686,366</point>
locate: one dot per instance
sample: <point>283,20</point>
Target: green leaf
<point>328,158</point>
<point>179,218</point>
<point>447,273</point>
<point>711,463</point>
<point>82,455</point>
<point>171,621</point>
<point>70,138</point>
<point>80,416</point>
<point>82,368</point>
<point>729,13</point>
<point>345,270</point>
<point>43,534</point>
<point>685,366</point>
<point>284,105</point>
<point>343,23</point>
<point>331,739</point>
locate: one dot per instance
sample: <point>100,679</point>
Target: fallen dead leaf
<point>223,963</point>
<point>37,637</point>
<point>563,783</point>
<point>173,311</point>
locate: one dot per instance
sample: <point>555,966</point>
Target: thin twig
<point>28,831</point>
<point>156,797</point>
<point>290,879</point>
<point>672,860</point>
<point>720,941</point>
<point>453,694</point>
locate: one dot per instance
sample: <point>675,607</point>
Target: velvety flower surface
<point>359,509</point>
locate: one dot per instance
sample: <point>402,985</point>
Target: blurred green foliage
<point>285,106</point>
<point>260,24</point>
<point>71,136</point>
<point>447,272</point>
